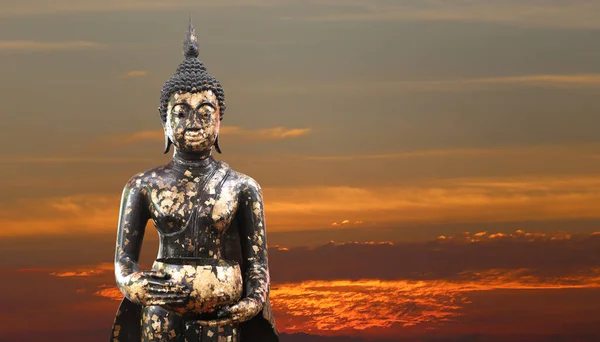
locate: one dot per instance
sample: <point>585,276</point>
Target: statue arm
<point>140,287</point>
<point>133,217</point>
<point>253,240</point>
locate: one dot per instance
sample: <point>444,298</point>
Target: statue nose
<point>196,120</point>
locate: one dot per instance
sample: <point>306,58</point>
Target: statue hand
<point>154,288</point>
<point>242,311</point>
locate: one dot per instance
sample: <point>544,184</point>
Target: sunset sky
<point>430,168</point>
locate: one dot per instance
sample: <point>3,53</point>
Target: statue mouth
<point>195,133</point>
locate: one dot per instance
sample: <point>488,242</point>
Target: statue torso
<point>192,209</point>
<point>194,212</point>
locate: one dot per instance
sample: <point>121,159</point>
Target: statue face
<point>193,120</point>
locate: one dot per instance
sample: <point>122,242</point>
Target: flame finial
<point>190,44</point>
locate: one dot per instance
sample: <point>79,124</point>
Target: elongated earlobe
<point>167,144</point>
<point>217,145</point>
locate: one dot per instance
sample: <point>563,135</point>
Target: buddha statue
<point>210,280</point>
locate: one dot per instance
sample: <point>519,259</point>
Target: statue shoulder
<point>142,179</point>
<point>245,182</point>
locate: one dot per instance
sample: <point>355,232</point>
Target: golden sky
<point>388,121</point>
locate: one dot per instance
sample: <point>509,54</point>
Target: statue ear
<point>167,140</point>
<point>167,143</point>
<point>217,144</point>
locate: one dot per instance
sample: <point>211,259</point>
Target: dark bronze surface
<point>206,214</point>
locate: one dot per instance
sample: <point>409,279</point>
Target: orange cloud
<point>449,200</point>
<point>346,223</point>
<point>563,80</point>
<point>587,150</point>
<point>304,208</point>
<point>235,133</point>
<point>517,235</point>
<point>327,307</point>
<point>141,136</point>
<point>61,215</point>
<point>100,269</point>
<point>84,271</point>
<point>265,134</point>
<point>350,305</point>
<point>591,80</point>
<point>433,284</point>
<point>445,258</point>
<point>135,74</point>
<point>109,292</point>
<point>60,160</point>
<point>333,243</point>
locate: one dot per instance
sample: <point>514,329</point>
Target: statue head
<point>192,103</point>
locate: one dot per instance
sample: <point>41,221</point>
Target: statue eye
<point>180,110</point>
<point>206,111</point>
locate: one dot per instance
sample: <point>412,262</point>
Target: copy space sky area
<point>430,169</point>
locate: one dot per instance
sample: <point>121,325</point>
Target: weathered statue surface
<point>210,280</point>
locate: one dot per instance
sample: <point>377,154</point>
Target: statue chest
<point>191,214</point>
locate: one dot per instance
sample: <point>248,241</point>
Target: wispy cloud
<point>350,305</point>
<point>591,80</point>
<point>331,306</point>
<point>589,150</point>
<point>448,257</point>
<point>427,286</point>
<point>137,137</point>
<point>542,80</point>
<point>453,258</point>
<point>85,272</point>
<point>135,74</point>
<point>354,305</point>
<point>564,14</point>
<point>60,160</point>
<point>472,84</point>
<point>346,223</point>
<point>61,215</point>
<point>264,134</point>
<point>528,13</point>
<point>29,45</point>
<point>315,207</point>
<point>448,200</point>
<point>547,80</point>
<point>234,134</point>
<point>518,235</point>
<point>81,6</point>
<point>573,79</point>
